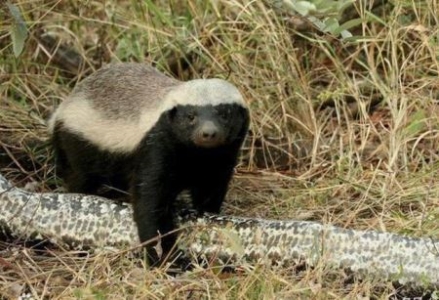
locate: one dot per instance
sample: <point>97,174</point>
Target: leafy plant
<point>325,15</point>
<point>18,29</point>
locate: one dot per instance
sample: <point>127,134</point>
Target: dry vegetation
<point>343,132</point>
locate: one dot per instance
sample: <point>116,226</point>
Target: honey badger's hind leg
<point>68,164</point>
<point>82,166</point>
<point>60,158</point>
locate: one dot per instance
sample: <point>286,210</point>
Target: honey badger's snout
<point>209,135</point>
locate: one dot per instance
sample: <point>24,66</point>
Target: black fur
<point>168,161</point>
<point>86,169</point>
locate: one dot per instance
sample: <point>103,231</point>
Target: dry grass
<point>344,132</point>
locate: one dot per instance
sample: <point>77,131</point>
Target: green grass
<point>354,122</point>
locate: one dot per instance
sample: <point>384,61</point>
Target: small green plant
<point>325,15</point>
<point>18,29</point>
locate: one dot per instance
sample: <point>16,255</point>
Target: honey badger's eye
<point>191,117</point>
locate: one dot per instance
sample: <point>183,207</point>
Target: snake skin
<point>83,221</point>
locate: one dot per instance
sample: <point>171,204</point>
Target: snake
<point>91,222</point>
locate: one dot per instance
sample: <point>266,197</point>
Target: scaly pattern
<point>89,222</point>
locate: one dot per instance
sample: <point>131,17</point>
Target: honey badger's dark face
<point>209,126</point>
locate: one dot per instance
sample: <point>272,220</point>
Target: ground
<point>343,131</point>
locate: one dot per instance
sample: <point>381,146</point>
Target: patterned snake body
<point>83,221</point>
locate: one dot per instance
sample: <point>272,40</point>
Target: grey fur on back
<point>124,90</point>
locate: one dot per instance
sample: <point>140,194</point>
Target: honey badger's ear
<point>172,113</point>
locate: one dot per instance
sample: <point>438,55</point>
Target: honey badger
<point>133,128</point>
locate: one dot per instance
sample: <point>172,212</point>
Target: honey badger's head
<point>207,113</point>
